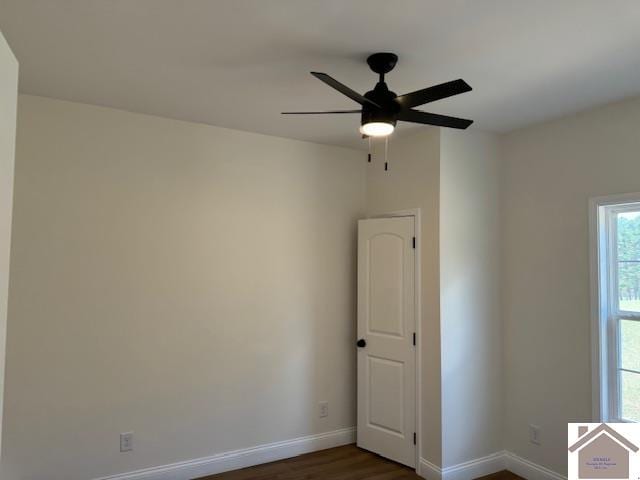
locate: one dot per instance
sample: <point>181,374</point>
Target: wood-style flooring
<point>342,463</point>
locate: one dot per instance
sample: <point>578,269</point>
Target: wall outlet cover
<point>126,442</point>
<point>324,409</point>
<point>534,434</point>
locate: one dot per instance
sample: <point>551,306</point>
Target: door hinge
<point>414,242</point>
<point>414,339</point>
<point>414,438</point>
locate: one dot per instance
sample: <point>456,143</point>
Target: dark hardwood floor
<point>503,475</point>
<point>342,463</point>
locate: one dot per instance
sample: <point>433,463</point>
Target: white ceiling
<point>238,63</point>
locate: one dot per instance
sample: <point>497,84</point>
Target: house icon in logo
<point>602,453</point>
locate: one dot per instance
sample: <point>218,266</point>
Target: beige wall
<point>470,324</point>
<point>413,182</point>
<point>550,171</point>
<point>8,104</point>
<point>195,285</point>
<point>136,238</point>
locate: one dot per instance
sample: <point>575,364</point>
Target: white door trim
<point>416,214</point>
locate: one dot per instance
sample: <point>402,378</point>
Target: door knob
<point>361,343</point>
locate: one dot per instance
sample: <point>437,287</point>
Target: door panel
<point>386,284</point>
<point>386,394</point>
<point>386,322</point>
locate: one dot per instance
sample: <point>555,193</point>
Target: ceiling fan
<point>382,108</point>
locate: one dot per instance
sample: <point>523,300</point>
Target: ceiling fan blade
<point>431,94</point>
<point>318,113</point>
<point>434,119</point>
<point>353,95</point>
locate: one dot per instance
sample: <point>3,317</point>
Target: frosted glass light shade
<point>376,129</point>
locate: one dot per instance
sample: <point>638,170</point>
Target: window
<point>617,307</point>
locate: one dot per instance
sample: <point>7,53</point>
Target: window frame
<point>605,312</point>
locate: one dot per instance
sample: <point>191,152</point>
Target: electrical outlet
<point>126,442</point>
<point>534,434</point>
<point>324,409</point>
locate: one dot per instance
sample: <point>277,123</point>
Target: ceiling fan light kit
<point>381,108</point>
<point>377,129</point>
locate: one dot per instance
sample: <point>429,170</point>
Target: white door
<point>386,328</point>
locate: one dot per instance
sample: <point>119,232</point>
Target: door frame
<point>417,285</point>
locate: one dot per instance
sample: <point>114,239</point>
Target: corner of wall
<point>470,324</point>
<point>8,110</point>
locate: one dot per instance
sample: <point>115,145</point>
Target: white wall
<point>413,182</point>
<point>470,324</point>
<point>195,285</point>
<point>8,104</point>
<point>550,171</point>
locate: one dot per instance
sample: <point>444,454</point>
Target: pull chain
<point>369,154</point>
<point>386,153</point>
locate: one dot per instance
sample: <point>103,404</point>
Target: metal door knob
<point>361,343</point>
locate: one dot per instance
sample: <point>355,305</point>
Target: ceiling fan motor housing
<point>384,97</point>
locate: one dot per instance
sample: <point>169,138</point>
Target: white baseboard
<point>487,465</point>
<point>224,462</point>
<point>463,471</point>
<point>233,460</point>
<point>529,470</point>
<point>428,470</point>
<point>475,468</point>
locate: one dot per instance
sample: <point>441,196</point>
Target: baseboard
<point>233,460</point>
<point>529,470</point>
<point>475,468</point>
<point>428,470</point>
<point>487,465</point>
<point>463,471</point>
